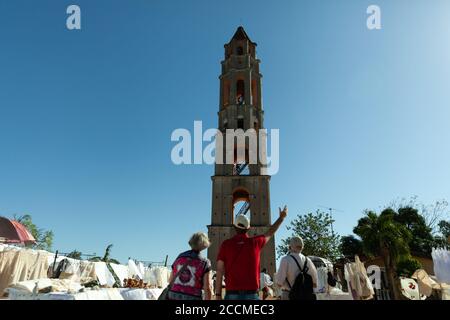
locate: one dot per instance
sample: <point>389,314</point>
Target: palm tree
<point>382,235</point>
<point>106,257</point>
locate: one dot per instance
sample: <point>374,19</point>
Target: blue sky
<point>86,116</point>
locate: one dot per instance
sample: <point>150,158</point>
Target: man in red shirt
<point>239,259</point>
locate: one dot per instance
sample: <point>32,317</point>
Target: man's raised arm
<point>273,228</point>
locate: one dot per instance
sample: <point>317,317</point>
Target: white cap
<point>242,222</point>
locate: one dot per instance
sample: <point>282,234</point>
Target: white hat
<point>242,222</point>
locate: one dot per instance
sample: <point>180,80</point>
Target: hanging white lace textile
<point>322,277</point>
<point>133,270</point>
<point>441,262</point>
<point>359,283</point>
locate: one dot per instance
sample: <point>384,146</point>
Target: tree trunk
<point>390,273</point>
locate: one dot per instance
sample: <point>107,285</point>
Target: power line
<point>331,214</point>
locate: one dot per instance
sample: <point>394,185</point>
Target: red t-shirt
<point>241,256</point>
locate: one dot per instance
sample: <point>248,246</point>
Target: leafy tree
<point>435,213</point>
<point>422,240</point>
<point>443,239</point>
<point>351,246</point>
<point>422,221</point>
<point>444,228</point>
<point>383,236</point>
<point>75,255</point>
<point>44,238</point>
<point>106,257</point>
<point>316,232</point>
<point>432,213</point>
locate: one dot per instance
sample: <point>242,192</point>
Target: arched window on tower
<point>239,51</point>
<point>241,203</point>
<point>240,92</point>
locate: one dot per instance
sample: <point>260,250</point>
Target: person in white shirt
<point>265,282</point>
<point>289,270</point>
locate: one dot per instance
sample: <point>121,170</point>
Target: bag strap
<point>179,272</point>
<point>296,262</point>
<point>305,267</point>
<point>298,265</point>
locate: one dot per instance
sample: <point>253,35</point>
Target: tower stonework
<point>240,108</point>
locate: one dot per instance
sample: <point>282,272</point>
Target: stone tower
<point>240,182</point>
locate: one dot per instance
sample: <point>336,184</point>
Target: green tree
<point>106,257</point>
<point>383,236</point>
<point>75,255</point>
<point>444,228</point>
<point>422,240</point>
<point>44,238</point>
<point>442,239</point>
<point>432,214</point>
<point>316,232</point>
<point>407,266</point>
<point>351,246</point>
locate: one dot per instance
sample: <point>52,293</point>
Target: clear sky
<point>86,116</point>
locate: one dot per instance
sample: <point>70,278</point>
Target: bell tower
<point>241,187</point>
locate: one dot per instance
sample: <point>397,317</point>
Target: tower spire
<point>240,34</point>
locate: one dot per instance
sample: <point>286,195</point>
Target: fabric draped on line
<point>359,283</point>
<point>21,265</point>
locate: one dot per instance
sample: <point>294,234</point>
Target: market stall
<point>27,274</point>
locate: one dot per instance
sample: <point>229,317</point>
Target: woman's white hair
<point>296,244</point>
<point>199,241</point>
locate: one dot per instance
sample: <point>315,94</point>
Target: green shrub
<point>407,266</point>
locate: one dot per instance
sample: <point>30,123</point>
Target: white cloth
<point>21,265</point>
<point>104,276</point>
<point>328,296</point>
<point>57,285</point>
<point>410,288</point>
<point>446,293</point>
<point>441,262</point>
<point>120,270</point>
<point>141,269</point>
<point>150,277</point>
<point>162,276</point>
<point>322,279</point>
<point>103,294</point>
<point>358,282</point>
<point>140,294</point>
<point>157,276</point>
<point>265,280</point>
<point>426,284</point>
<point>289,270</point>
<point>133,271</point>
